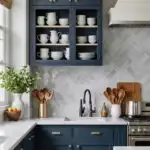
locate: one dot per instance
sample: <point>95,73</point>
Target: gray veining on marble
<point>126,58</point>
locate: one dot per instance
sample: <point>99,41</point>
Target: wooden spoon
<point>107,95</point>
<point>41,96</point>
<point>49,95</point>
<point>121,95</point>
<point>109,91</point>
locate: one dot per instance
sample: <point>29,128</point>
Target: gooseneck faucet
<point>82,109</point>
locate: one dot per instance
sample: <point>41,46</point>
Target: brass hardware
<point>78,146</point>
<point>69,146</point>
<point>56,133</point>
<point>95,133</point>
<point>75,1</point>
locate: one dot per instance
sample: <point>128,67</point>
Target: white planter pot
<point>18,103</point>
<point>115,110</point>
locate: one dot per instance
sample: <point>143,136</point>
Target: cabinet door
<point>87,2</point>
<point>89,51</point>
<point>78,147</point>
<point>29,142</point>
<point>19,147</point>
<point>36,30</point>
<point>52,2</point>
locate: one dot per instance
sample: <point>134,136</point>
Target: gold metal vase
<point>43,110</point>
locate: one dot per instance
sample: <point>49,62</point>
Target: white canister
<point>115,110</point>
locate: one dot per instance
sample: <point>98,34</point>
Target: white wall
<point>19,40</point>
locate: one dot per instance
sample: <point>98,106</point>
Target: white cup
<point>81,20</point>
<point>43,38</point>
<point>64,39</point>
<point>44,53</point>
<point>91,21</point>
<point>63,21</point>
<point>92,39</point>
<point>41,20</point>
<point>82,39</point>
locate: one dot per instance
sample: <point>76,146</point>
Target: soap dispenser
<point>104,112</point>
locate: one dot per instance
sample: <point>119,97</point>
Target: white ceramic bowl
<point>63,21</point>
<point>81,39</point>
<point>86,57</point>
<point>86,54</point>
<point>57,55</point>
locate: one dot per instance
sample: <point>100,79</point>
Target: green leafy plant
<point>18,81</point>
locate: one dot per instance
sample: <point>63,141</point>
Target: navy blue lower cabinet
<point>19,147</point>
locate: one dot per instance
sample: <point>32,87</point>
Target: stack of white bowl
<point>86,55</point>
<point>57,55</point>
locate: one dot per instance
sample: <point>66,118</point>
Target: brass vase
<point>43,110</point>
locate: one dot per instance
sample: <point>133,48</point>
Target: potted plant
<point>18,82</point>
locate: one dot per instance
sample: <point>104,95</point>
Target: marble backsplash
<point>126,58</point>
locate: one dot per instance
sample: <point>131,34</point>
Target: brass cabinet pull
<point>78,146</point>
<point>95,133</point>
<point>56,133</point>
<point>69,146</point>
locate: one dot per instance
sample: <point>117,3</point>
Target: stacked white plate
<point>86,55</point>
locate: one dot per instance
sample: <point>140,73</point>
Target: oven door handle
<point>140,139</point>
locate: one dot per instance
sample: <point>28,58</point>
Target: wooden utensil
<point>121,95</point>
<point>48,95</point>
<point>41,96</point>
<point>108,89</point>
<point>107,95</point>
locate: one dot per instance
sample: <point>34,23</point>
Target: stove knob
<point>139,130</point>
<point>133,130</point>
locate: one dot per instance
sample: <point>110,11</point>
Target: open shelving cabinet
<point>73,30</point>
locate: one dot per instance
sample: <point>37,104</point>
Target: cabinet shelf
<point>86,26</point>
<point>56,26</point>
<point>87,44</point>
<point>49,44</point>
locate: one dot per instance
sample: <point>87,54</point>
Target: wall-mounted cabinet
<point>64,35</point>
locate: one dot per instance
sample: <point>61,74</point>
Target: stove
<point>139,127</point>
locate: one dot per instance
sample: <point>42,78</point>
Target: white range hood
<point>130,12</point>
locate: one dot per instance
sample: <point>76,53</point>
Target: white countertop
<point>131,148</point>
<point>16,131</point>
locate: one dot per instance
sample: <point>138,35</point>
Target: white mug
<point>92,39</point>
<point>41,20</point>
<point>81,20</point>
<point>64,38</point>
<point>44,53</point>
<point>63,21</point>
<point>91,21</point>
<point>43,38</point>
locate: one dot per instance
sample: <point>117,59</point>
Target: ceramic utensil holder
<point>115,110</point>
<point>43,110</point>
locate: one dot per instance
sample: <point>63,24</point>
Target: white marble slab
<point>16,131</point>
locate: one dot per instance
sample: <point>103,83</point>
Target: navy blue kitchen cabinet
<point>29,141</point>
<point>70,10</point>
<point>80,137</point>
<point>66,2</point>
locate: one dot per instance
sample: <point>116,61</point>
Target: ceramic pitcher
<point>54,36</point>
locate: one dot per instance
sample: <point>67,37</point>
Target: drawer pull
<point>56,133</point>
<point>95,133</point>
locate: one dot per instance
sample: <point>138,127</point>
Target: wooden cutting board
<point>133,91</point>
